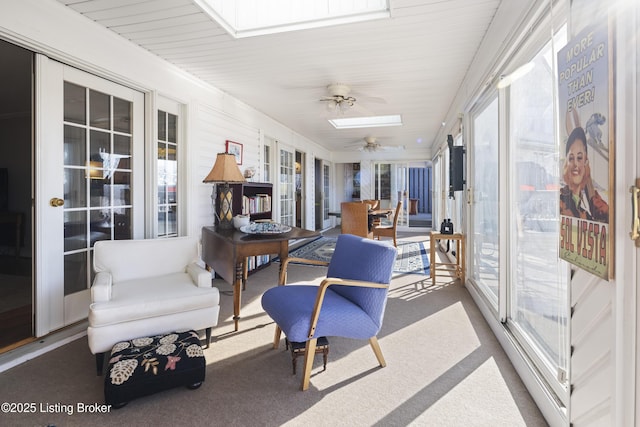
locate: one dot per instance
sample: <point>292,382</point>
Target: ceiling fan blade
<point>354,144</point>
<point>391,147</point>
<point>371,99</point>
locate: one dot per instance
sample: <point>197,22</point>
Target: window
<point>538,294</point>
<point>287,187</point>
<point>484,244</point>
<point>267,164</point>
<point>515,221</point>
<point>167,179</point>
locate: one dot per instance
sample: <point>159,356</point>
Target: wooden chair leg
<point>276,337</point>
<point>310,351</point>
<point>376,349</point>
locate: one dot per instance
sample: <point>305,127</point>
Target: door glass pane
<point>122,224</point>
<point>100,225</point>
<point>98,193</point>
<point>267,164</point>
<point>538,284</point>
<point>402,194</point>
<point>121,115</point>
<point>99,146</point>
<point>485,246</point>
<point>75,188</point>
<point>75,273</point>
<point>120,192</point>
<point>75,147</point>
<point>75,230</point>
<point>75,107</point>
<point>122,151</point>
<point>172,127</point>
<point>287,201</point>
<point>383,183</point>
<point>99,110</point>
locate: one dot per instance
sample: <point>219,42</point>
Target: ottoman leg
<point>208,337</point>
<point>99,363</point>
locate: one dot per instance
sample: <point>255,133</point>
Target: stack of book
<point>256,204</point>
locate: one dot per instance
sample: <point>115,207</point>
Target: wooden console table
<point>458,267</point>
<point>226,251</point>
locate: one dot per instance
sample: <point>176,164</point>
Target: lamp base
<point>225,204</point>
<point>225,225</point>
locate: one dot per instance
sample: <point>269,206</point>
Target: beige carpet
<point>444,368</point>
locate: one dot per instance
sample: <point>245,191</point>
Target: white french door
<point>89,183</point>
<point>286,183</point>
<point>326,193</point>
<point>401,173</point>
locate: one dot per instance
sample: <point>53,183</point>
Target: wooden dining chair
<point>389,230</point>
<point>373,204</point>
<point>354,219</point>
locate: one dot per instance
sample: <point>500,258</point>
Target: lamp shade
<point>225,169</point>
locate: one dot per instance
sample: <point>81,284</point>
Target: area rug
<point>413,257</point>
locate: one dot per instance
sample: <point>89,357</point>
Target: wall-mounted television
<point>456,167</point>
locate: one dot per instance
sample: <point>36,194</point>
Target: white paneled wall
<point>592,342</point>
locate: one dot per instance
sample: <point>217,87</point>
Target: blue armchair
<point>349,303</point>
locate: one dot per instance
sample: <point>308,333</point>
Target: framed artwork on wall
<point>587,108</point>
<point>235,148</point>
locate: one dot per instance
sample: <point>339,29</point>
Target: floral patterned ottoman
<point>144,366</point>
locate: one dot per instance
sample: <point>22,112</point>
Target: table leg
<point>237,292</point>
<point>245,273</point>
<point>458,260</point>
<point>463,259</point>
<point>432,260</point>
<point>283,254</point>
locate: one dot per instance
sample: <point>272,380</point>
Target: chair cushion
<point>153,257</point>
<point>152,297</point>
<point>291,307</point>
<point>358,258</point>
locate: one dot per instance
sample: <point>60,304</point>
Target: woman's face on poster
<point>576,163</point>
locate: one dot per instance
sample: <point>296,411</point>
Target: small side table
<point>299,348</point>
<point>457,267</point>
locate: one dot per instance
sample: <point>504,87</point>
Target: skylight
<point>247,18</point>
<point>366,122</point>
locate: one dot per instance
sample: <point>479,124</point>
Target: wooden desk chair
<point>373,204</point>
<point>391,230</point>
<point>354,218</point>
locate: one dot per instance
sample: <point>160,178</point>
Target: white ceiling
<point>411,64</point>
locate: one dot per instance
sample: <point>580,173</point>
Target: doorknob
<point>55,202</point>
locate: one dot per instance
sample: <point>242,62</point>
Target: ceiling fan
<point>372,145</point>
<point>338,98</point>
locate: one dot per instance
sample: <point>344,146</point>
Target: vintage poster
<point>585,92</point>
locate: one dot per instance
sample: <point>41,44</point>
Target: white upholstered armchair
<point>148,287</point>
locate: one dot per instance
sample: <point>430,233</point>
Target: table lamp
<point>224,171</point>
